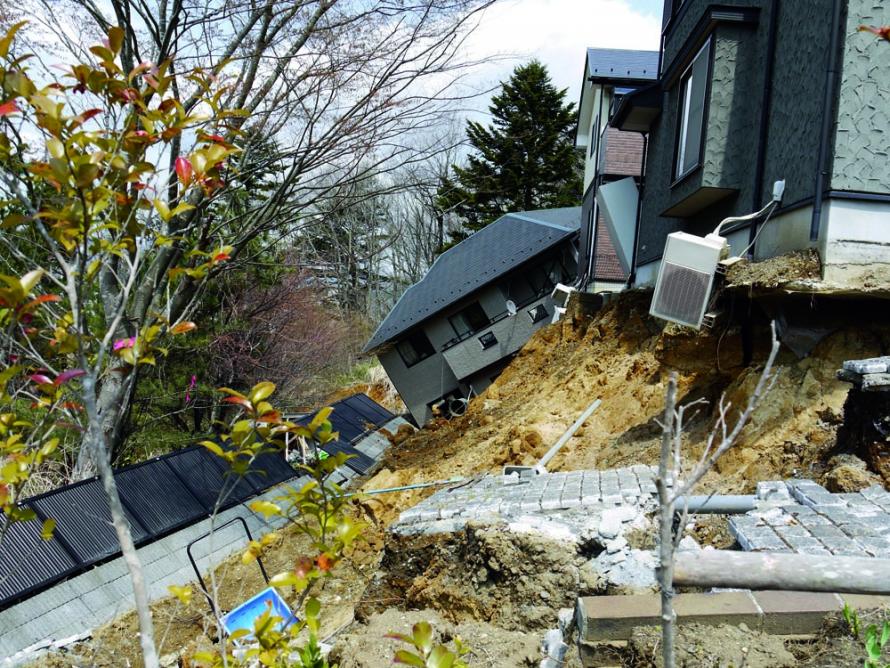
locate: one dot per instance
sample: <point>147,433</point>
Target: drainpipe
<point>632,276</point>
<point>827,120</point>
<point>597,179</point>
<point>765,112</point>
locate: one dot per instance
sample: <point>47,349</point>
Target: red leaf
<point>221,257</point>
<point>184,170</point>
<point>65,376</point>
<point>239,401</point>
<point>182,328</point>
<point>325,563</point>
<point>8,108</point>
<point>41,379</point>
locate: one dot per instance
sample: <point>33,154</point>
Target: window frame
<point>472,330</point>
<point>541,310</point>
<point>420,356</point>
<point>488,340</point>
<point>685,88</point>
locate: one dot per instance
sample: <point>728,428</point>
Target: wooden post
<point>796,572</point>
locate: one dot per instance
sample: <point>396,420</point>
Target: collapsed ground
<point>480,584</point>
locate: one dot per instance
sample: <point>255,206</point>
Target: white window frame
<point>687,88</point>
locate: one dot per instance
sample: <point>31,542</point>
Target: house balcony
<point>503,336</point>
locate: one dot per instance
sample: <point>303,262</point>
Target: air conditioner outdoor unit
<point>686,276</point>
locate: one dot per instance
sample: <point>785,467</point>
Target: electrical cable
<point>760,229</point>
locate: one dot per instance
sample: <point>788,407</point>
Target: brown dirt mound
<point>623,356</point>
<point>516,581</point>
<point>366,645</point>
<point>711,647</point>
<point>771,273</point>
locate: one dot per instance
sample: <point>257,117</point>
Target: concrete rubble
<point>592,510</point>
<point>869,375</point>
<point>808,519</point>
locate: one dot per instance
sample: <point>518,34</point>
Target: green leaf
<point>885,633</point>
<point>440,657</point>
<point>46,531</point>
<point>423,636</point>
<point>261,391</point>
<point>213,447</point>
<point>7,40</point>
<point>56,148</point>
<point>116,38</point>
<point>409,659</point>
<point>266,508</point>
<point>313,608</point>
<point>162,209</point>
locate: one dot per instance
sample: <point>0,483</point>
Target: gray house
<point>453,332</point>
<point>753,91</point>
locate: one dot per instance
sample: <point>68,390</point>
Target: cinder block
<point>795,612</point>
<point>866,601</point>
<point>614,617</point>
<point>101,598</point>
<point>159,549</point>
<point>63,616</point>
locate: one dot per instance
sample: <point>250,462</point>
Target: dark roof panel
<point>158,498</point>
<point>370,409</point>
<point>29,561</point>
<point>83,520</point>
<point>622,64</point>
<point>476,261</point>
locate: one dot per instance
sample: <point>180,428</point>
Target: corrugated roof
<point>476,261</point>
<point>620,64</point>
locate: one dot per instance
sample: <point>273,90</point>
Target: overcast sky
<point>557,32</point>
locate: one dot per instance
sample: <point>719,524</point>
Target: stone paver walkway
<point>812,520</point>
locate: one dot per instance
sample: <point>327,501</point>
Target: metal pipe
<point>827,122</point>
<point>717,504</point>
<point>765,112</point>
<point>794,572</point>
<point>405,488</point>
<point>541,466</point>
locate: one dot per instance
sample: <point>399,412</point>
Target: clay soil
<point>621,356</point>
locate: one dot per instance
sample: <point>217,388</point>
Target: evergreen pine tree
<point>524,160</point>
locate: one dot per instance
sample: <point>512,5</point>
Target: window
<point>415,348</point>
<point>693,90</point>
<point>538,313</point>
<point>517,291</point>
<point>594,135</point>
<point>488,340</point>
<point>469,320</point>
<point>544,277</point>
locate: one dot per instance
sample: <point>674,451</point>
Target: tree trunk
<point>664,484</point>
<point>95,444</point>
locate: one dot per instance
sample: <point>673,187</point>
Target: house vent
<point>686,277</point>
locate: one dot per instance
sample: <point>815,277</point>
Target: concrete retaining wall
<point>74,607</point>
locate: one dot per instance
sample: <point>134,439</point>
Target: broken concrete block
<point>871,365</point>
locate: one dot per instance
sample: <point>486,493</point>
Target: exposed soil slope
<point>624,356</point>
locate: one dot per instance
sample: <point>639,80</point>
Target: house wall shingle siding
<point>861,159</point>
<point>733,120</point>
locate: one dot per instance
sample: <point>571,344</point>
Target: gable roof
<point>476,261</point>
<point>622,64</point>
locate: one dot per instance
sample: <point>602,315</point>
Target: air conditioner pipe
<point>717,504</point>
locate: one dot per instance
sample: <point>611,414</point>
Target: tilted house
<point>613,164</point>
<point>754,91</point>
<point>453,332</point>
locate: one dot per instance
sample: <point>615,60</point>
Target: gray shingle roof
<point>476,261</point>
<point>621,64</point>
